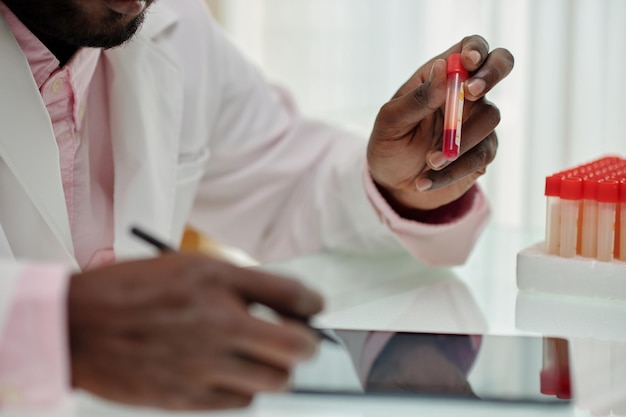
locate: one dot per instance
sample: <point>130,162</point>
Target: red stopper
<point>548,382</point>
<point>590,188</point>
<point>455,66</point>
<point>571,188</point>
<point>553,186</point>
<point>608,191</point>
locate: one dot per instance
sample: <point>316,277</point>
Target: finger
<point>284,295</point>
<point>498,65</point>
<point>405,111</point>
<point>483,118</point>
<point>194,398</point>
<point>472,164</point>
<point>281,345</point>
<point>245,376</point>
<point>474,51</point>
<point>215,399</point>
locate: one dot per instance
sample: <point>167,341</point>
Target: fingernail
<point>433,70</point>
<point>431,77</point>
<point>423,184</point>
<point>437,160</point>
<point>476,86</point>
<point>475,57</point>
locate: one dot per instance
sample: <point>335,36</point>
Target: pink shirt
<point>33,357</point>
<point>75,97</point>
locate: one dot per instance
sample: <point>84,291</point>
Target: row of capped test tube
<point>586,211</point>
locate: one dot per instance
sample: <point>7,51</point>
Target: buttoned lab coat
<point>198,138</point>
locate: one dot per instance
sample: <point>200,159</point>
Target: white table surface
<point>393,292</point>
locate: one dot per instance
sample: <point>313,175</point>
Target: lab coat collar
<point>159,18</point>
<point>27,142</point>
<point>145,127</point>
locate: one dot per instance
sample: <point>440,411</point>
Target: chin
<point>114,30</point>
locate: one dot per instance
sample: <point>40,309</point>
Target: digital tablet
<point>469,366</point>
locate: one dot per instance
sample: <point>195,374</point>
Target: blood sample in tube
<point>453,116</point>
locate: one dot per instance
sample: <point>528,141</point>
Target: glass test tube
<point>608,198</point>
<point>553,214</point>
<point>589,215</point>
<point>564,384</point>
<point>571,193</point>
<point>453,116</point>
<point>622,229</point>
<point>548,368</point>
<point>555,370</point>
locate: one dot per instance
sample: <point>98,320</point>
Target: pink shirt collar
<point>44,64</point>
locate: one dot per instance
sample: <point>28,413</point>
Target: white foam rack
<point>577,297</point>
<point>540,272</point>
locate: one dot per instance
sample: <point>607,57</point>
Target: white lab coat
<point>198,137</point>
<point>183,105</point>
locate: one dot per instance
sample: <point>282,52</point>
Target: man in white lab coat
<point>174,128</point>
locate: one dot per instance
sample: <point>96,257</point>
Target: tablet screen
<point>488,367</point>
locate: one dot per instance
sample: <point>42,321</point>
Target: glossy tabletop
<point>393,292</point>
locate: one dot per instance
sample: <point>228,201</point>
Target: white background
<point>562,105</point>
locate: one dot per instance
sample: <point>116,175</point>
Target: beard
<point>76,22</point>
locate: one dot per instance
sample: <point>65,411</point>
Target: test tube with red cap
<point>622,229</point>
<point>608,198</point>
<point>453,116</point>
<point>563,381</point>
<point>548,383</point>
<point>571,193</point>
<point>555,371</point>
<point>553,214</point>
<point>589,223</point>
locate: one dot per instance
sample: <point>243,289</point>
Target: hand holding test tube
<point>453,116</point>
<point>405,158</point>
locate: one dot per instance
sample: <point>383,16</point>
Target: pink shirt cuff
<point>434,244</point>
<point>34,363</point>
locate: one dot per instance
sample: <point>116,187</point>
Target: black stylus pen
<point>165,248</point>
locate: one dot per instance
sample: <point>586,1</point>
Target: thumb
<point>413,106</point>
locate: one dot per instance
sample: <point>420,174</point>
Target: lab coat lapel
<point>27,142</point>
<point>146,99</point>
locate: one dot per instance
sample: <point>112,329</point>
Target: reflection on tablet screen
<point>488,367</point>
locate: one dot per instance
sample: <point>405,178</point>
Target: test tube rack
<point>584,251</point>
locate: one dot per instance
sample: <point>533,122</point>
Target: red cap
<point>590,188</point>
<point>564,384</point>
<point>601,172</point>
<point>608,191</point>
<point>553,186</point>
<point>571,188</point>
<point>548,381</point>
<point>610,159</point>
<point>622,190</point>
<point>455,66</point>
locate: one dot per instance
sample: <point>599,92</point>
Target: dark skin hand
<point>174,332</point>
<point>404,151</point>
